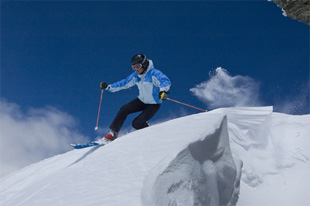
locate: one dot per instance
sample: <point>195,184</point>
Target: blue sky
<point>55,54</point>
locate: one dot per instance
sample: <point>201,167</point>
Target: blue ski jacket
<point>150,83</point>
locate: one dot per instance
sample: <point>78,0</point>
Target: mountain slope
<point>274,149</point>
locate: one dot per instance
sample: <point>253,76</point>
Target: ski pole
<point>186,104</point>
<point>99,110</point>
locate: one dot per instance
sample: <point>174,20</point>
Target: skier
<point>153,87</point>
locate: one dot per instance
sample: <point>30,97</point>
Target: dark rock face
<point>296,9</point>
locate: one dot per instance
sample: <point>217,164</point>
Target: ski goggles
<point>136,67</point>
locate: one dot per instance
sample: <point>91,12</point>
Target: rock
<point>296,9</point>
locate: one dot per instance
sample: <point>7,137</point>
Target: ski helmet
<point>140,59</point>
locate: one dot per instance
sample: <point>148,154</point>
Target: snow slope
<point>274,149</point>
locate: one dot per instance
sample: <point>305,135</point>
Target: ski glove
<point>103,85</point>
<point>162,95</point>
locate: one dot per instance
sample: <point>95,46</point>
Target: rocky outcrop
<point>296,9</point>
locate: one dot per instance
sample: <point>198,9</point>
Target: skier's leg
<point>134,106</point>
<point>141,121</point>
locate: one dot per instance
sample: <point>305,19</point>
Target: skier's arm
<point>122,84</point>
<point>161,80</point>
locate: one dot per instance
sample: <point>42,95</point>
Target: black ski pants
<point>148,111</point>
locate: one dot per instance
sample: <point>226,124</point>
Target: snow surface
<point>274,149</point>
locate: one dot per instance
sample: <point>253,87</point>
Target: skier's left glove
<point>162,95</point>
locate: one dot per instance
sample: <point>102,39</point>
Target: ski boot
<point>111,136</point>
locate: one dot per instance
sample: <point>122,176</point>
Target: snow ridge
<point>185,161</point>
<point>204,173</point>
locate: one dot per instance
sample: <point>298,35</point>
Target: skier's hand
<point>103,85</point>
<point>162,95</point>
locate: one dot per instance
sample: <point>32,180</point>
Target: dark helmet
<point>140,59</point>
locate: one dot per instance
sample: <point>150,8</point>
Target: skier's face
<point>140,71</point>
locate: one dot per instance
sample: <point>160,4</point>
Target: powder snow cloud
<point>27,137</point>
<point>224,90</point>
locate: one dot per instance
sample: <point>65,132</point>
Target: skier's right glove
<point>103,85</point>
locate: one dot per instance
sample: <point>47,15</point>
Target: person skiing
<point>153,88</point>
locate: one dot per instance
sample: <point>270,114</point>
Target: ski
<point>88,144</point>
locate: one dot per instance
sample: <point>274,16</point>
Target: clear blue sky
<point>57,53</point>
